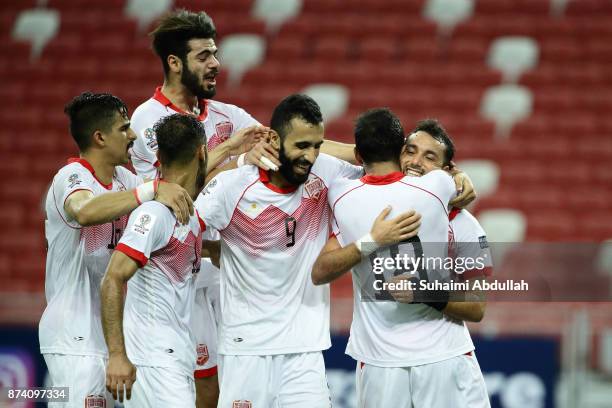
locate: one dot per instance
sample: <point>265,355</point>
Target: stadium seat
<point>240,52</point>
<point>513,55</point>
<point>503,225</point>
<point>332,98</point>
<point>604,263</point>
<point>37,26</point>
<point>146,11</point>
<point>448,13</point>
<point>506,105</point>
<point>276,12</point>
<point>484,175</point>
<point>605,354</point>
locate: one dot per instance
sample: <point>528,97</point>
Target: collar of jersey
<point>161,98</point>
<point>89,167</point>
<point>264,177</point>
<point>453,213</point>
<point>384,179</point>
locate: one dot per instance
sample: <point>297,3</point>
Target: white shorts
<point>204,319</point>
<point>161,387</point>
<point>453,383</point>
<point>84,375</point>
<point>278,381</point>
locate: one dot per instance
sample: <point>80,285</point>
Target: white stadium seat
<point>240,52</point>
<point>276,12</point>
<point>332,98</point>
<point>37,26</point>
<point>484,175</point>
<point>503,224</point>
<point>146,11</point>
<point>506,105</point>
<point>513,56</point>
<point>448,13</point>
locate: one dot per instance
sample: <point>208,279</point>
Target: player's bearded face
<point>288,167</point>
<point>199,85</point>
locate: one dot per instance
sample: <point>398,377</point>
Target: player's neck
<point>180,96</point>
<point>277,179</point>
<point>103,169</point>
<point>382,168</point>
<point>182,176</point>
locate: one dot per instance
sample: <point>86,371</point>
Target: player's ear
<point>98,138</point>
<point>175,64</point>
<point>357,156</point>
<point>274,139</point>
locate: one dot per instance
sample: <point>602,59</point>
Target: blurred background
<point>523,86</point>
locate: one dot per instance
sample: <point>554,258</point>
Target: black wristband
<point>439,306</point>
<point>438,299</point>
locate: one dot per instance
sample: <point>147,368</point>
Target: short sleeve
<point>70,180</point>
<point>143,152</point>
<point>441,184</point>
<point>471,246</point>
<point>149,228</point>
<point>330,168</point>
<point>212,204</point>
<point>242,119</point>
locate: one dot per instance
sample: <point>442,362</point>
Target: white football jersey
<point>76,261</point>
<point>160,295</point>
<point>270,240</point>
<point>383,332</point>
<point>220,121</point>
<point>469,242</point>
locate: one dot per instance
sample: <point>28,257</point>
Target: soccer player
<point>413,352</point>
<point>185,44</point>
<point>152,344</point>
<point>273,224</point>
<point>86,209</point>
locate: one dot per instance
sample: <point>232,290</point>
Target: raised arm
<point>120,371</point>
<point>343,151</point>
<point>334,261</point>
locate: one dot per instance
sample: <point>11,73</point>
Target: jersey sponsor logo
<point>209,186</point>
<point>150,138</point>
<point>95,401</point>
<point>202,351</point>
<point>242,404</point>
<point>314,187</point>
<point>483,242</point>
<point>144,224</point>
<point>74,180</point>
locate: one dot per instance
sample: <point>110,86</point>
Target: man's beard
<point>201,176</point>
<point>193,85</point>
<point>286,168</point>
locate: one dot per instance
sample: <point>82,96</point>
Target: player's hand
<point>400,228</point>
<point>243,140</point>
<point>465,189</point>
<point>176,198</point>
<point>262,150</point>
<point>402,296</point>
<point>120,376</point>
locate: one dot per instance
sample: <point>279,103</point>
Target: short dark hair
<point>294,106</point>
<point>175,30</point>
<point>379,136</point>
<point>435,130</point>
<point>179,137</point>
<point>89,112</point>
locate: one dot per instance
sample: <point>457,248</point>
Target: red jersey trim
<point>208,372</point>
<point>161,98</point>
<point>201,221</point>
<point>382,180</point>
<point>89,167</point>
<point>476,273</point>
<point>264,177</point>
<point>454,212</point>
<point>138,256</point>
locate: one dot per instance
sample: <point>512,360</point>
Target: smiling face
<point>422,154</point>
<point>299,150</point>
<point>118,139</point>
<point>200,68</point>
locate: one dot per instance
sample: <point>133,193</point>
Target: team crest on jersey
<point>314,187</point>
<point>144,224</point>
<point>224,130</point>
<point>73,180</point>
<point>242,404</point>
<point>150,138</point>
<point>95,401</point>
<point>202,351</point>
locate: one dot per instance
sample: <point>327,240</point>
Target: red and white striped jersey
<point>161,293</point>
<point>270,240</point>
<point>387,333</point>
<point>76,261</point>
<point>220,121</point>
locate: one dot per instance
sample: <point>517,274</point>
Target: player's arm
<point>333,261</point>
<point>120,371</point>
<point>465,188</point>
<point>87,209</point>
<point>212,250</point>
<point>470,310</point>
<point>241,142</point>
<point>343,151</point>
